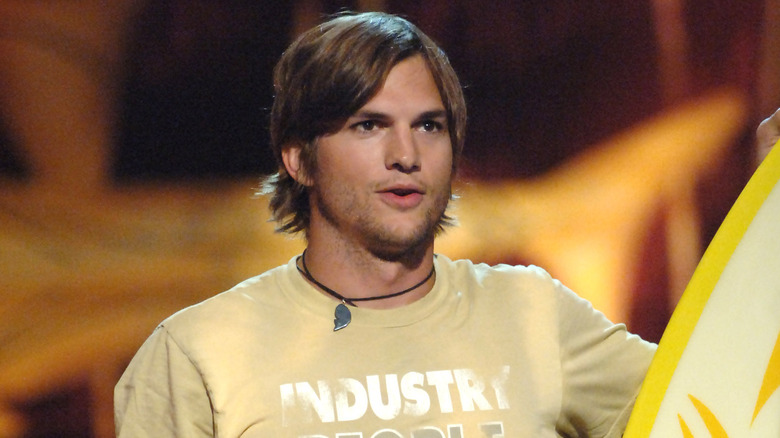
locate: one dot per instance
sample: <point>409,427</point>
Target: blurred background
<point>607,141</point>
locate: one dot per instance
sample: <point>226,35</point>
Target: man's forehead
<point>409,85</point>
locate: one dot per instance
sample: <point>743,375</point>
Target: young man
<point>368,333</point>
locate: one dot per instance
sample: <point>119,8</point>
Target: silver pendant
<point>343,317</point>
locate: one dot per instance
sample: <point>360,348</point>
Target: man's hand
<point>767,134</point>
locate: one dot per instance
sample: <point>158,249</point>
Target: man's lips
<point>402,196</point>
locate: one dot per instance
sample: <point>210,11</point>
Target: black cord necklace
<point>343,315</point>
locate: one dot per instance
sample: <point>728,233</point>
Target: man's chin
<point>397,247</point>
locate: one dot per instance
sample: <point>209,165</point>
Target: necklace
<point>342,313</point>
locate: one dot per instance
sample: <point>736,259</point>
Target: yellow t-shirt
<point>502,351</point>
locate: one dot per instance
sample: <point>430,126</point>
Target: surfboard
<point>717,369</point>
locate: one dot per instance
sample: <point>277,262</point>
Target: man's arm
<point>162,393</point>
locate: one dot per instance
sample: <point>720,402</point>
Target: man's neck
<point>354,272</point>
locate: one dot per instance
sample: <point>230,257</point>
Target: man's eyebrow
<point>368,114</point>
<point>433,114</point>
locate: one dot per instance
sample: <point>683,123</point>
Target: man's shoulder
<point>462,269</point>
<point>244,300</point>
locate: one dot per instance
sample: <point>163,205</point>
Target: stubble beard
<point>378,237</point>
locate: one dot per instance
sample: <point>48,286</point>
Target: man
<point>368,333</point>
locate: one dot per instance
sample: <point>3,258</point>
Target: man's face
<point>383,179</point>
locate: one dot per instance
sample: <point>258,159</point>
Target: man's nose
<point>402,153</point>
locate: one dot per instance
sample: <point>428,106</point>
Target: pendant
<point>343,317</point>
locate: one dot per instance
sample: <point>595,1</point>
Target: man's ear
<point>291,156</point>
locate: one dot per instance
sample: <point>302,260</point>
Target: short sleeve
<point>603,367</point>
<point>162,393</point>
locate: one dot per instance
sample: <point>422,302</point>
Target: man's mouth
<point>403,192</point>
<point>403,196</point>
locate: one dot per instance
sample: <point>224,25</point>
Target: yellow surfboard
<point>717,369</point>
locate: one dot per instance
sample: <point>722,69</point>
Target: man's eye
<point>430,126</point>
<point>365,125</point>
